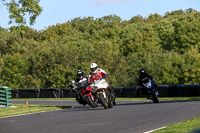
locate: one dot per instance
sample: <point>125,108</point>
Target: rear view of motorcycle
<point>150,88</point>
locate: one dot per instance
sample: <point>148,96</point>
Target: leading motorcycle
<point>100,91</point>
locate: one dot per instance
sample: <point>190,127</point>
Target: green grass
<point>160,98</point>
<point>17,109</point>
<point>183,127</point>
<point>42,99</point>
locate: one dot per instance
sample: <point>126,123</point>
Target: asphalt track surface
<point>125,117</point>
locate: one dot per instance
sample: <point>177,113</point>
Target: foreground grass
<point>17,109</point>
<point>42,99</point>
<point>160,98</point>
<point>188,126</point>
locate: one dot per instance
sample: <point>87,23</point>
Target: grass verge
<point>17,109</point>
<point>42,99</point>
<point>189,126</point>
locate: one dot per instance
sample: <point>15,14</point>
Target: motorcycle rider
<point>98,71</point>
<point>143,75</point>
<point>81,82</point>
<point>102,75</point>
<point>81,76</point>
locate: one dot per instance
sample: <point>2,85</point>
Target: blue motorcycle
<point>150,88</point>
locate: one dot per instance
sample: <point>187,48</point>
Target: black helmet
<point>80,73</point>
<point>142,71</point>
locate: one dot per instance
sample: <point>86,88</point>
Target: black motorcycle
<point>77,88</point>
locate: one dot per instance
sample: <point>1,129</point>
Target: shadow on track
<point>83,108</point>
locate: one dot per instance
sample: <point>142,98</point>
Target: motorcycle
<point>77,89</point>
<point>83,93</point>
<point>89,96</point>
<point>150,87</point>
<point>100,91</point>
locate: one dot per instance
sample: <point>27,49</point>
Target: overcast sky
<point>61,11</point>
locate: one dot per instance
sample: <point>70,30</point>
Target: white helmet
<point>93,67</point>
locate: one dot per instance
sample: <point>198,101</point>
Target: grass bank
<point>17,109</point>
<point>189,126</point>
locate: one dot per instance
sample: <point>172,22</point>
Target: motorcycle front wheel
<point>155,98</point>
<point>91,102</point>
<point>103,100</point>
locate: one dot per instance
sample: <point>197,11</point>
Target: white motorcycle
<point>101,92</point>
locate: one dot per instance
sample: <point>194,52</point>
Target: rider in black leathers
<point>81,83</point>
<point>143,75</point>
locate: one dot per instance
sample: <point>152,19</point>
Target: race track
<point>125,117</point>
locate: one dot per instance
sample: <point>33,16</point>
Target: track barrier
<point>5,96</point>
<point>131,91</point>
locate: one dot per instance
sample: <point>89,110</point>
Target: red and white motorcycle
<point>100,91</point>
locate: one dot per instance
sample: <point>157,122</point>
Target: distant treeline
<point>168,47</point>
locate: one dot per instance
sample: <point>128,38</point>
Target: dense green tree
<point>15,70</point>
<point>153,18</point>
<point>136,19</point>
<point>167,47</point>
<point>19,9</point>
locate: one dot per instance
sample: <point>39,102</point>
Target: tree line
<point>168,47</point>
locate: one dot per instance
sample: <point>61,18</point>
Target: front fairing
<point>148,84</point>
<point>99,84</point>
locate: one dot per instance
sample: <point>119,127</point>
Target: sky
<point>61,11</point>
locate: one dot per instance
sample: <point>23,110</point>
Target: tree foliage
<point>19,9</point>
<point>168,47</point>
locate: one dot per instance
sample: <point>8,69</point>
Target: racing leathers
<point>81,83</point>
<point>101,74</point>
<point>143,76</point>
<point>140,82</point>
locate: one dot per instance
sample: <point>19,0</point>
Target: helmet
<point>80,73</point>
<point>73,82</point>
<point>142,71</point>
<point>93,67</point>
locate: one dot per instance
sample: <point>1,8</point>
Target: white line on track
<point>155,129</point>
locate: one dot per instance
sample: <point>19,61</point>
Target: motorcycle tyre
<point>91,102</point>
<point>114,102</point>
<point>110,104</point>
<point>155,98</point>
<point>103,102</point>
